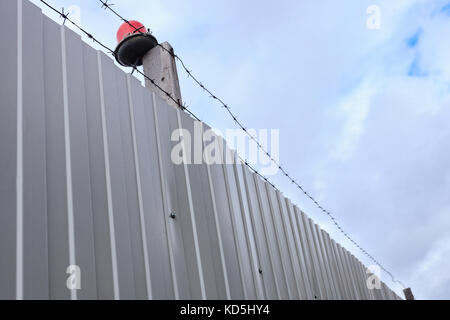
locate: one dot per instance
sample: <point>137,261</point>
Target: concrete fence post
<point>408,294</point>
<point>160,65</point>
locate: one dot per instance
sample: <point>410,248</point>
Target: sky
<point>363,114</point>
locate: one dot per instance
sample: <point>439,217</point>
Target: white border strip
<point>108,182</point>
<point>192,212</point>
<point>239,254</point>
<point>247,180</point>
<point>270,248</point>
<point>164,199</point>
<point>70,216</point>
<point>216,219</point>
<point>271,191</point>
<point>139,190</point>
<point>19,177</point>
<point>284,214</point>
<point>251,247</point>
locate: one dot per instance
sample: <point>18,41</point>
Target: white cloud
<point>355,108</point>
<point>432,274</point>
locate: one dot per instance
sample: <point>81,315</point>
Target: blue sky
<point>363,114</point>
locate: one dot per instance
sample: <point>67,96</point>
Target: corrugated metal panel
<point>227,231</point>
<point>104,268</point>
<point>343,282</point>
<point>9,92</point>
<point>307,255</point>
<point>326,263</point>
<point>299,254</point>
<point>287,233</point>
<point>273,248</point>
<point>345,272</point>
<point>265,265</point>
<point>281,241</point>
<point>332,266</point>
<point>88,180</point>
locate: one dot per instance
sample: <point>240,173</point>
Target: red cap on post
<point>128,29</point>
<point>134,43</point>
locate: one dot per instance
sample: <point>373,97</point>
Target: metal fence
<point>86,179</point>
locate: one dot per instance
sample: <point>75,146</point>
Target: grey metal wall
<point>86,179</point>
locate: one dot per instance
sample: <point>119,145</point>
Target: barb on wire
<point>64,15</point>
<point>66,18</point>
<point>110,51</point>
<point>108,6</point>
<point>105,4</point>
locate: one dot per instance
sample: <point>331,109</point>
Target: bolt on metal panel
<point>245,259</point>
<point>265,268</point>
<point>269,230</point>
<point>281,242</point>
<point>157,240</point>
<point>238,170</point>
<point>227,230</point>
<point>184,270</point>
<point>204,212</point>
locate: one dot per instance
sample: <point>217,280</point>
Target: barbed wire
<point>65,17</point>
<point>108,6</point>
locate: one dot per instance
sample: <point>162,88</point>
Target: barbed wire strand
<point>108,6</point>
<point>66,18</point>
